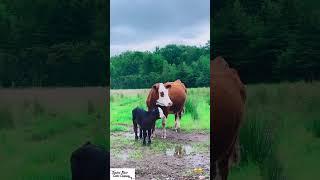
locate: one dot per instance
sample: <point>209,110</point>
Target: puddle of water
<point>188,149</point>
<point>170,152</point>
<point>179,151</point>
<point>123,156</point>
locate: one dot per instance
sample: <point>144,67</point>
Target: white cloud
<point>142,25</point>
<point>197,35</point>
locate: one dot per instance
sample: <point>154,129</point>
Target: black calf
<point>89,162</point>
<point>146,120</point>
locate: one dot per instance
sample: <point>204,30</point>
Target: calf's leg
<point>149,136</point>
<point>144,136</point>
<point>140,133</point>
<point>135,130</point>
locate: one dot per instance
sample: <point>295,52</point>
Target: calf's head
<point>157,112</point>
<point>163,94</point>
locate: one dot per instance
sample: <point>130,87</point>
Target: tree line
<point>268,40</point>
<point>134,69</point>
<point>53,43</point>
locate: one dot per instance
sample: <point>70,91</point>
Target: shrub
<point>6,118</point>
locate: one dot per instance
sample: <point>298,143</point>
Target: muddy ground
<point>173,158</point>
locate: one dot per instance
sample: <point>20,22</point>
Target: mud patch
<point>171,136</point>
<point>176,157</point>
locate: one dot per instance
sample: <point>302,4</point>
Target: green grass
<point>280,135</point>
<point>42,150</point>
<point>197,116</point>
<point>38,137</point>
<point>118,128</point>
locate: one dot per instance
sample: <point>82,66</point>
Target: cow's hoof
<point>149,142</point>
<point>136,138</point>
<point>144,143</point>
<point>178,130</point>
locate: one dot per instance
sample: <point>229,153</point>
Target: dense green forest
<point>133,69</point>
<point>53,43</point>
<point>268,40</point>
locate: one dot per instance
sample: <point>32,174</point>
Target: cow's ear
<point>156,86</point>
<point>168,86</point>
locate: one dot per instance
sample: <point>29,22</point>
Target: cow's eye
<point>161,94</point>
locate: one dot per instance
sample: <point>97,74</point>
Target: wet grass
<point>280,136</point>
<point>196,117</point>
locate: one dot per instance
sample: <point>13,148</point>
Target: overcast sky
<point>144,24</point>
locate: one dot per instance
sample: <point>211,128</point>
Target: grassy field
<point>179,153</point>
<point>281,135</point>
<point>39,129</point>
<point>196,118</point>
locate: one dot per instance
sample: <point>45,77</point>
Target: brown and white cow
<point>176,94</point>
<point>228,96</point>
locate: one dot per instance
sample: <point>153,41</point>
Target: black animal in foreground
<point>145,120</point>
<point>89,162</point>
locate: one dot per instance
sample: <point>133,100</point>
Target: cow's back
<point>227,100</point>
<point>178,95</point>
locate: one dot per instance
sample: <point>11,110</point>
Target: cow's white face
<point>161,114</point>
<point>164,99</point>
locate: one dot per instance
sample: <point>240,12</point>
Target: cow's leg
<point>164,133</point>
<point>149,136</point>
<point>216,175</point>
<point>223,169</point>
<point>236,152</point>
<point>177,122</point>
<point>144,137</point>
<point>135,130</point>
<point>153,135</point>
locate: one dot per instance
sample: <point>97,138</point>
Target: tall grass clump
<point>256,139</point>
<point>259,135</point>
<point>112,98</point>
<point>191,108</point>
<point>6,118</point>
<point>26,104</point>
<point>258,144</point>
<point>314,127</point>
<point>140,96</point>
<point>90,107</point>
<point>37,108</point>
<point>272,169</point>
